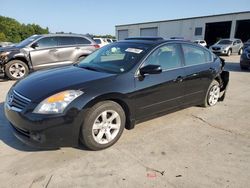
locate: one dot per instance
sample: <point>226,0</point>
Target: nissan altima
<point>117,86</point>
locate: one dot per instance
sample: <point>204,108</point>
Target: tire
<point>243,67</point>
<point>229,52</point>
<point>97,132</point>
<point>212,95</point>
<point>16,69</point>
<point>240,51</point>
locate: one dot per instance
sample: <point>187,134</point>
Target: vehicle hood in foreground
<point>42,84</point>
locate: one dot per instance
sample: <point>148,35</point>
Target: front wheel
<point>229,52</point>
<point>16,69</point>
<point>213,94</point>
<point>240,51</point>
<point>103,125</point>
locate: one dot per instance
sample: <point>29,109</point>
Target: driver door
<point>162,92</point>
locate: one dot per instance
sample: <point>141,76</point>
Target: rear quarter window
<point>194,55</point>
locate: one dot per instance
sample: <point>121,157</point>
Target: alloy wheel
<point>106,126</point>
<point>17,70</point>
<point>214,95</point>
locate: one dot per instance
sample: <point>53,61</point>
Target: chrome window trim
<point>137,72</point>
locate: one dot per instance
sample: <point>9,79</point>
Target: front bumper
<point>220,52</point>
<point>45,132</point>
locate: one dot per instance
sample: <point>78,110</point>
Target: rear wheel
<point>103,125</point>
<point>16,69</point>
<point>213,94</point>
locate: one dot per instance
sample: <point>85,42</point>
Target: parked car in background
<point>44,51</point>
<point>201,42</point>
<point>245,59</point>
<point>101,41</point>
<point>246,44</point>
<point>111,40</point>
<point>120,84</point>
<point>227,47</point>
<point>5,44</point>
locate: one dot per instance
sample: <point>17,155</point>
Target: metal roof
<point>181,19</point>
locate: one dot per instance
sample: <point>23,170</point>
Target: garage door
<point>122,34</point>
<point>152,32</point>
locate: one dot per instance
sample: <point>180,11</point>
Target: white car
<point>201,42</point>
<point>101,41</point>
<point>111,40</point>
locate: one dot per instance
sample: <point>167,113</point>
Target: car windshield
<point>225,42</point>
<point>28,40</point>
<point>115,58</point>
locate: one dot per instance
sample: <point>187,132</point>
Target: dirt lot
<point>195,147</point>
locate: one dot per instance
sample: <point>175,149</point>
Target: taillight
<point>96,46</point>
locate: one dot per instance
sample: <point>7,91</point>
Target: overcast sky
<point>100,17</point>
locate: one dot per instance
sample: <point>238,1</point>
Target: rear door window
<point>66,41</point>
<point>81,40</point>
<point>194,55</point>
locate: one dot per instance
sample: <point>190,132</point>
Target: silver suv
<point>44,51</point>
<point>227,47</point>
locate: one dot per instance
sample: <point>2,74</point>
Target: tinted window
<point>98,41</point>
<point>81,40</point>
<point>64,41</point>
<point>167,56</point>
<point>47,42</point>
<point>224,41</point>
<point>194,55</point>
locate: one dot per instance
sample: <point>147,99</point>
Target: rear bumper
<point>46,133</point>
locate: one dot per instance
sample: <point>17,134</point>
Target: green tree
<point>2,37</point>
<point>15,31</point>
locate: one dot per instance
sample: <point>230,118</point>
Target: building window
<point>198,31</point>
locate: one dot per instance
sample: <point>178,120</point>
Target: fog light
<point>36,137</point>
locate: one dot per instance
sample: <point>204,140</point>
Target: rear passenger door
<point>66,50</point>
<point>199,70</point>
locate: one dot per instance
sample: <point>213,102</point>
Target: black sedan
<point>245,59</point>
<point>114,88</point>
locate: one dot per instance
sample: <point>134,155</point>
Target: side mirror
<point>34,45</point>
<point>150,69</point>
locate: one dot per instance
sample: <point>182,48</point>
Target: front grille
<point>216,48</point>
<point>16,101</point>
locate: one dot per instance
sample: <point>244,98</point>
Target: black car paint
<point>141,97</point>
<point>245,58</point>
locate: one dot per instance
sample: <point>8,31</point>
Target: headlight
<point>56,104</point>
<point>4,53</point>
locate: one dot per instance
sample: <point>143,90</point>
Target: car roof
<point>63,35</point>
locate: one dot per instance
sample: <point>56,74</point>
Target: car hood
<point>9,48</point>
<point>220,46</point>
<point>42,84</point>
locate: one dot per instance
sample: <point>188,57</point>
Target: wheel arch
<point>120,99</point>
<point>21,58</point>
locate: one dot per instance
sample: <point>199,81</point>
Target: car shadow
<point>234,67</point>
<point>7,136</point>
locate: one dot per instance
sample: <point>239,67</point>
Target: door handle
<point>179,79</point>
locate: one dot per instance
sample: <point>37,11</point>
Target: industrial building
<point>211,28</point>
